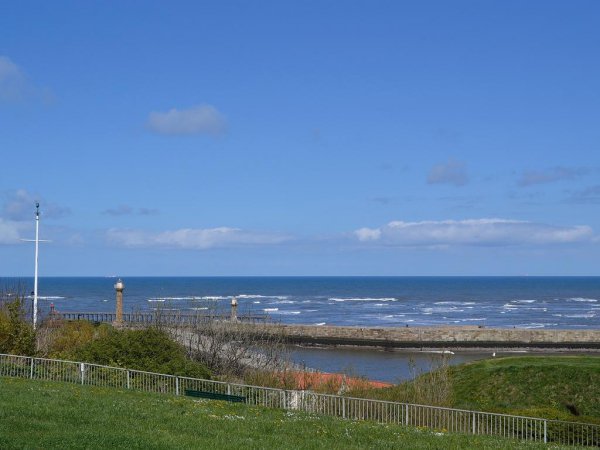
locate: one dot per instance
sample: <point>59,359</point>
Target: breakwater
<point>441,337</point>
<point>431,337</point>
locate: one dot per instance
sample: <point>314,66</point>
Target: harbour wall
<point>441,337</point>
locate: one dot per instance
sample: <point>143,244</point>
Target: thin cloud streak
<point>193,238</point>
<point>474,232</point>
<point>589,195</point>
<point>552,175</point>
<point>127,210</point>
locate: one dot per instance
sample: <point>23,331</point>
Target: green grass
<point>554,387</point>
<point>56,415</point>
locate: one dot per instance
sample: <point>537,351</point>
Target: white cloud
<point>201,119</point>
<point>368,234</point>
<point>453,172</point>
<point>487,232</point>
<point>193,238</point>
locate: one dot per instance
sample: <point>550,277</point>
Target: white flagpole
<point>37,241</point>
<point>35,273</point>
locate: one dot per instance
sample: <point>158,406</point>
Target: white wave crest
<point>455,303</point>
<point>362,299</point>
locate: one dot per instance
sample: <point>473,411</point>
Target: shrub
<point>17,336</point>
<point>150,349</point>
<point>58,339</point>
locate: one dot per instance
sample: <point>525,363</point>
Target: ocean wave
<point>279,297</point>
<point>512,306</point>
<point>523,301</point>
<point>441,310</point>
<point>48,297</point>
<point>455,303</point>
<point>589,315</point>
<point>362,299</point>
<point>271,309</point>
<point>188,297</point>
<point>320,324</point>
<point>533,325</point>
<point>582,300</point>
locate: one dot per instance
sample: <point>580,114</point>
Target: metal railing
<point>433,417</point>
<point>162,317</point>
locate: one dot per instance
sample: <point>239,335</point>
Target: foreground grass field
<point>56,415</point>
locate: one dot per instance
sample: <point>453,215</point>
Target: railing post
<point>545,431</point>
<point>343,408</point>
<point>31,369</point>
<point>176,385</point>
<point>406,419</point>
<point>82,368</point>
<point>228,389</point>
<point>283,395</point>
<point>128,380</point>
<point>474,423</point>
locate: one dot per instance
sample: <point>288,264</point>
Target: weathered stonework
<point>449,336</point>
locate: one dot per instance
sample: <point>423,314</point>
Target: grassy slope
<point>528,385</point>
<point>531,384</point>
<point>55,415</point>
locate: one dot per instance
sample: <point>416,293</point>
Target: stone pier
<point>441,337</point>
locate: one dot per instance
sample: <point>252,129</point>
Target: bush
<point>58,339</point>
<point>17,336</point>
<point>149,349</point>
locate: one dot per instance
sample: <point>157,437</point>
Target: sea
<point>503,302</point>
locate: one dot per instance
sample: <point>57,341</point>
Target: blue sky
<point>301,138</point>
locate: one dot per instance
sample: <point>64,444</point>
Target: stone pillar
<point>234,305</point>
<point>119,286</point>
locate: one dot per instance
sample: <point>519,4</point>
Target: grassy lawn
<point>55,415</point>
